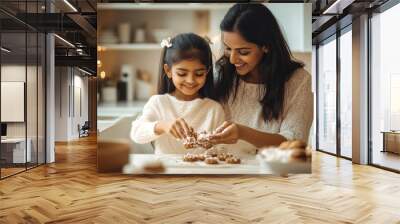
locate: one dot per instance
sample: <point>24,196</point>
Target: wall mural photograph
<point>179,82</point>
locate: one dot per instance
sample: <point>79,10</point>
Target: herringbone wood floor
<point>71,191</point>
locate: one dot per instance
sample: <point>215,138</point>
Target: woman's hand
<point>230,133</point>
<point>177,128</point>
<point>227,133</point>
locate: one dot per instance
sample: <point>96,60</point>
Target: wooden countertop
<point>250,164</point>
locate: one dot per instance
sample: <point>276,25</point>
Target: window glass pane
<point>327,97</point>
<point>385,84</point>
<point>346,94</point>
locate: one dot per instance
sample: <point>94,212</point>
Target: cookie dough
<point>211,153</point>
<point>211,160</point>
<point>189,142</point>
<point>201,157</point>
<point>190,158</point>
<point>233,160</point>
<point>197,140</point>
<point>211,157</point>
<point>154,167</point>
<point>224,156</point>
<point>203,140</point>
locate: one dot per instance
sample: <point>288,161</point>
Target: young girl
<point>184,103</point>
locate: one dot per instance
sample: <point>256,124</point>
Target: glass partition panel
<point>41,78</point>
<point>15,151</point>
<point>31,97</point>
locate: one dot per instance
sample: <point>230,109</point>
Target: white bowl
<point>279,167</point>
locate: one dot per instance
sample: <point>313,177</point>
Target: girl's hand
<point>177,128</point>
<point>227,133</point>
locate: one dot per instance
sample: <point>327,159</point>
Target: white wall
<point>69,85</point>
<point>295,21</point>
<point>33,127</point>
<point>12,73</point>
<point>82,82</point>
<point>81,104</point>
<point>61,103</point>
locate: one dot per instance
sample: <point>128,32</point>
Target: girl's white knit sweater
<point>202,114</point>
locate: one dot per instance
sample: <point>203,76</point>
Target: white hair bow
<point>166,43</point>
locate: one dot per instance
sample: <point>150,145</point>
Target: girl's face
<point>245,56</point>
<point>188,76</point>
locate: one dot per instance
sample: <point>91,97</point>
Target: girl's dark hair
<point>256,24</point>
<point>187,46</point>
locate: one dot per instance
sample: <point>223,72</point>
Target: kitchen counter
<point>250,164</point>
<point>114,123</point>
<point>109,114</point>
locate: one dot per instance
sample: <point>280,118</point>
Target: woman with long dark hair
<point>266,94</point>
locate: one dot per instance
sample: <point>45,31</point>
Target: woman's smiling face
<point>244,55</point>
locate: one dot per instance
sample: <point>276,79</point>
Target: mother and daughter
<point>258,95</point>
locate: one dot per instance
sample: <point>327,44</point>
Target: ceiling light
<point>70,5</point>
<point>5,50</point>
<point>337,7</point>
<point>64,40</point>
<point>102,74</point>
<point>84,71</point>
<point>331,8</point>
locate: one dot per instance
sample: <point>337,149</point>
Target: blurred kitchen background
<point>129,50</point>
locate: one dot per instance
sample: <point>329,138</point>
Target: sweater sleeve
<point>226,110</point>
<point>298,108</point>
<point>218,116</point>
<point>142,130</point>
